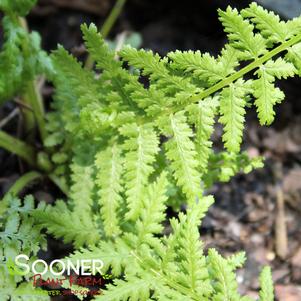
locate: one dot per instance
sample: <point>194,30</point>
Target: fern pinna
<point>135,136</point>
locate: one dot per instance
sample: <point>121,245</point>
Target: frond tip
<point>266,283</point>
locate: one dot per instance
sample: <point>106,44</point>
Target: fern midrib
<point>255,64</point>
<point>266,102</point>
<point>224,83</point>
<point>233,112</point>
<point>202,139</point>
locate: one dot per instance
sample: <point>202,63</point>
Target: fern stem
<point>228,80</point>
<point>32,97</point>
<point>21,183</point>
<point>107,26</point>
<point>18,147</point>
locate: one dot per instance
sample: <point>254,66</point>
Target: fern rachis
<point>129,150</point>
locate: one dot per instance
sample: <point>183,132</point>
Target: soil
<point>246,213</point>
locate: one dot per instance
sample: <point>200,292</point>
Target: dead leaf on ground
<point>296,265</point>
<point>280,142</point>
<point>292,181</point>
<point>288,292</point>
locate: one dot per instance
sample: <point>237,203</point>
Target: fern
<point>269,24</point>
<point>267,290</point>
<point>241,35</point>
<point>232,110</point>
<point>129,148</point>
<point>149,146</point>
<point>167,267</point>
<point>202,115</point>
<point>267,95</point>
<point>109,181</point>
<point>59,221</point>
<point>225,284</point>
<point>19,234</point>
<point>181,152</point>
<point>141,147</point>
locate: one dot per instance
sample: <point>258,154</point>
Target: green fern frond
<point>229,59</point>
<point>59,221</point>
<point>237,260</point>
<point>19,234</point>
<point>156,68</point>
<point>141,148</point>
<point>202,116</point>
<point>133,288</point>
<point>99,50</point>
<point>140,119</point>
<point>205,67</point>
<point>24,292</point>
<point>225,285</point>
<point>280,68</point>
<point>293,55</point>
<point>152,212</point>
<point>268,23</point>
<point>180,150</point>
<point>148,62</point>
<point>20,231</point>
<point>110,164</point>
<point>266,283</point>
<point>267,95</point>
<point>189,251</point>
<point>21,57</point>
<point>116,256</point>
<point>81,80</point>
<point>240,33</point>
<point>81,191</point>
<point>232,110</point>
<point>294,26</point>
<point>164,292</point>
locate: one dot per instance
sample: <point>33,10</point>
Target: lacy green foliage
<point>138,129</point>
<point>135,137</point>
<point>21,57</point>
<point>116,112</point>
<point>267,291</point>
<point>19,234</point>
<point>60,221</point>
<point>146,265</point>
